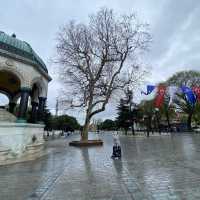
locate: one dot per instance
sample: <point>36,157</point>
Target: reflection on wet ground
<point>159,167</point>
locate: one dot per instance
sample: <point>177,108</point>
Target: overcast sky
<point>175,27</point>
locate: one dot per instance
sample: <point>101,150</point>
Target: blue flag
<point>191,98</point>
<point>150,89</point>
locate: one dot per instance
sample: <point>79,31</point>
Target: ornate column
<point>34,112</point>
<point>41,106</point>
<point>25,93</point>
<point>12,106</point>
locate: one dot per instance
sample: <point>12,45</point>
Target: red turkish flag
<point>160,96</point>
<point>196,90</point>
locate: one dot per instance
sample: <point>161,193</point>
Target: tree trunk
<point>189,121</point>
<point>84,135</point>
<point>147,130</point>
<point>168,122</point>
<point>158,123</point>
<point>132,128</point>
<point>125,131</point>
<point>150,124</point>
<point>147,125</point>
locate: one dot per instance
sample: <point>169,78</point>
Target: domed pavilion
<point>24,78</point>
<point>22,74</point>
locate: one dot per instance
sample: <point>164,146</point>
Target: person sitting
<point>116,150</point>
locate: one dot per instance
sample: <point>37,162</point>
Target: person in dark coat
<point>116,150</point>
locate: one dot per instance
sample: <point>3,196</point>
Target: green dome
<point>21,48</point>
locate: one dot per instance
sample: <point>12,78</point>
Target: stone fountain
<point>19,141</point>
<point>24,81</point>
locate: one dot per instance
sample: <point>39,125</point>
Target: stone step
<point>5,116</point>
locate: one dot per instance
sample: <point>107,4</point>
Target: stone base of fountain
<point>20,142</point>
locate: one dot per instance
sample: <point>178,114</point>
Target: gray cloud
<point>173,17</point>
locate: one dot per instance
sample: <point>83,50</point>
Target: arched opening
<point>4,100</point>
<point>9,83</point>
<point>39,85</point>
<point>37,101</point>
<point>9,87</point>
<point>33,103</point>
<point>35,92</point>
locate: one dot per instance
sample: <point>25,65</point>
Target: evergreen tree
<point>65,122</point>
<point>48,119</point>
<point>108,125</point>
<point>124,116</point>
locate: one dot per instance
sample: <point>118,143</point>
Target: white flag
<point>172,91</point>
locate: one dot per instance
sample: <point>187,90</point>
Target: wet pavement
<point>159,167</point>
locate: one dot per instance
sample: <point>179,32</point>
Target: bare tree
<point>97,59</point>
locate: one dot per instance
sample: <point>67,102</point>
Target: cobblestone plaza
<point>158,167</point>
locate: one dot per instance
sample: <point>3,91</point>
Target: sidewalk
<point>154,168</point>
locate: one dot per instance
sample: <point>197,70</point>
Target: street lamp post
<point>131,109</point>
<point>146,122</point>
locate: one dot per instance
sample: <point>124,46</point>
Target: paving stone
<point>161,167</point>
